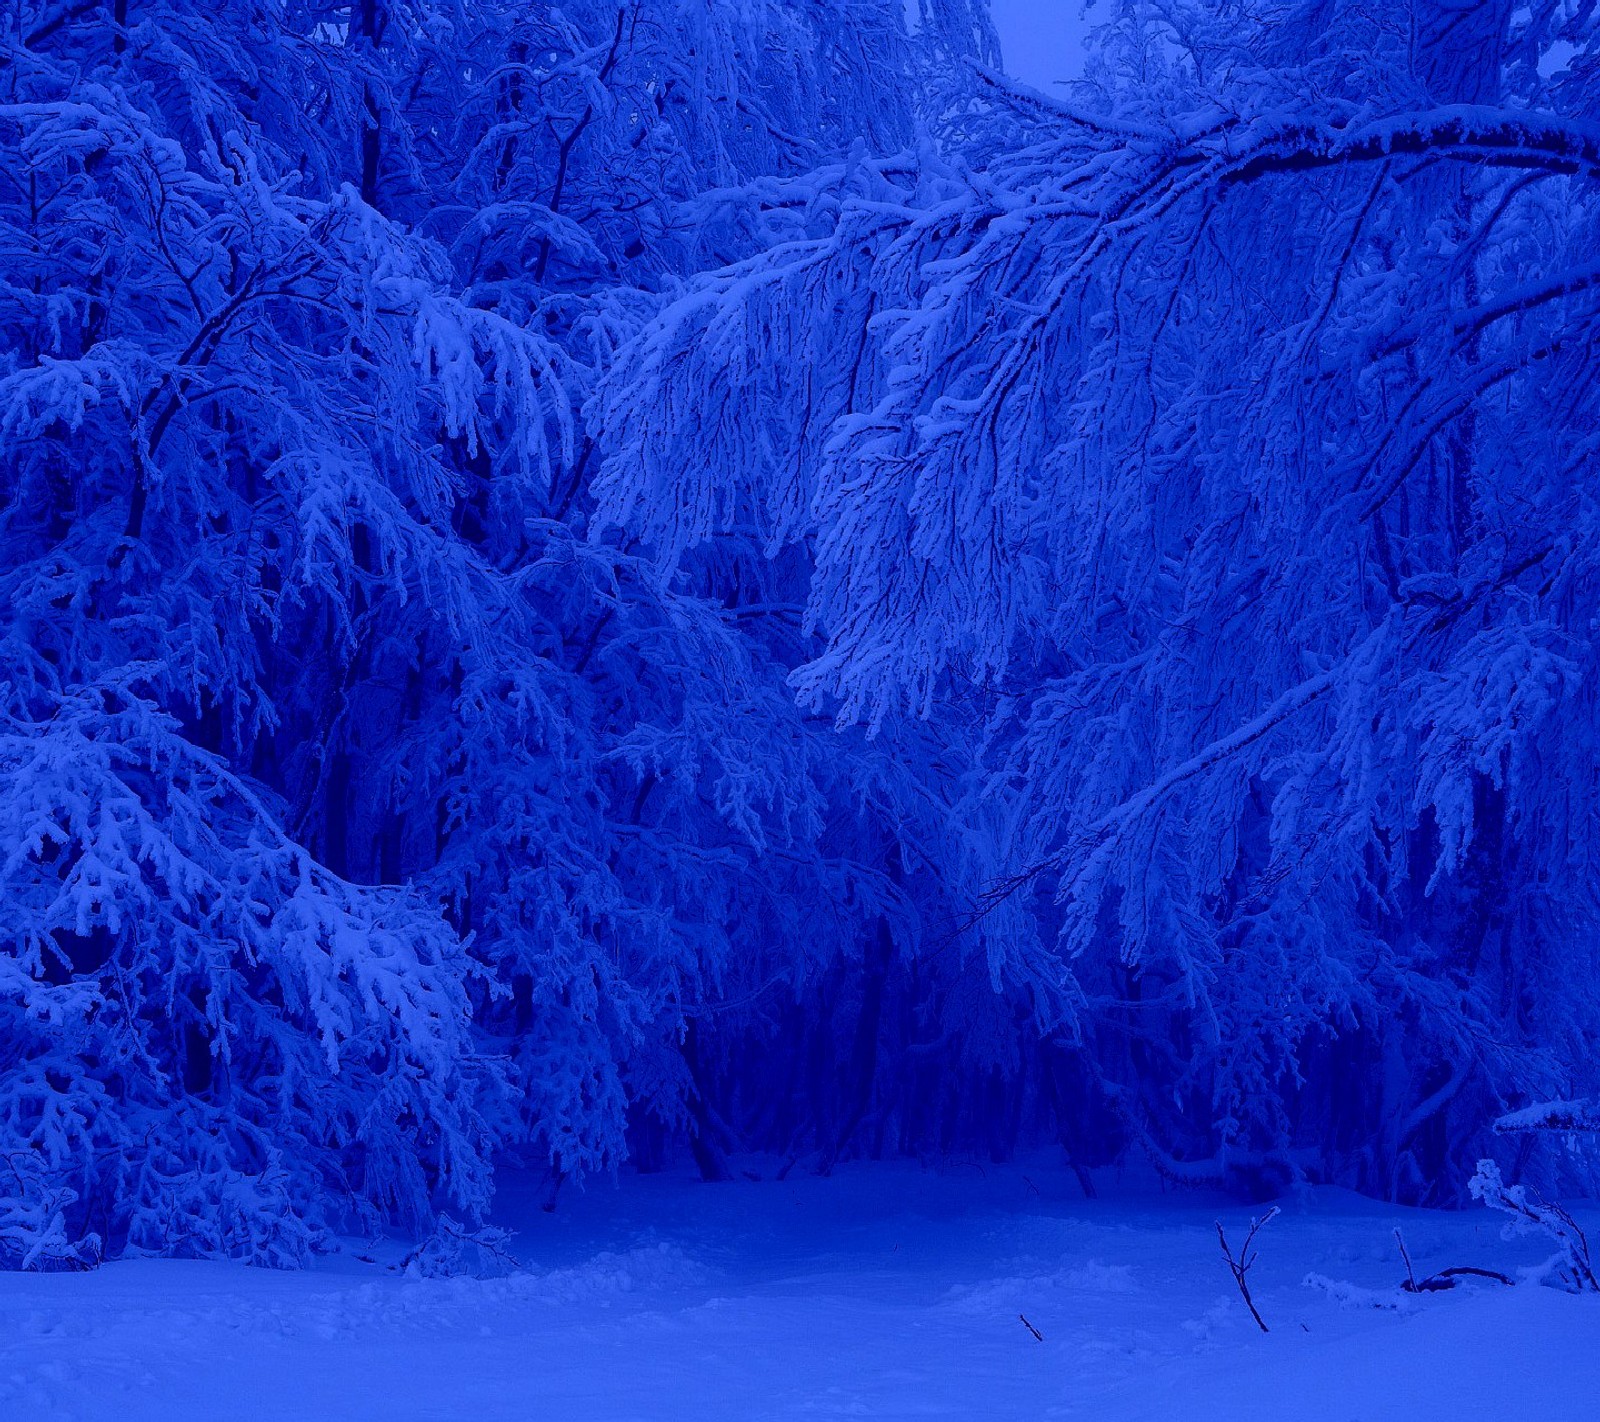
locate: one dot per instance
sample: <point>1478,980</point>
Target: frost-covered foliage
<point>579,581</point>
<point>361,819</point>
<point>205,1032</point>
<point>1529,1213</point>
<point>1221,436</point>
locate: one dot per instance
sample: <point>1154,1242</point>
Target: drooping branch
<point>1105,830</point>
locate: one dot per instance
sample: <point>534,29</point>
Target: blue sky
<point>1041,39</point>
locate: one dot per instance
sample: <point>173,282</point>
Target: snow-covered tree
<point>1222,433</point>
<point>580,579</point>
<point>223,395</point>
<point>362,818</point>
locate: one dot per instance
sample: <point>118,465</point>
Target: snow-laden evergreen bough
<point>360,818</point>
<point>1223,433</point>
<point>213,386</point>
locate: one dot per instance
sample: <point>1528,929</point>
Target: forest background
<point>584,584</point>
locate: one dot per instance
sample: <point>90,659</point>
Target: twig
<point>1240,1267</point>
<point>1410,1285</point>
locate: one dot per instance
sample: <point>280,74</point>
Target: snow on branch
<point>1489,137</point>
<point>1529,1212</point>
<point>1580,1115</point>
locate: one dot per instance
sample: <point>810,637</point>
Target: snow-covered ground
<point>886,1291</point>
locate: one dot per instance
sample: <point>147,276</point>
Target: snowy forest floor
<point>885,1291</point>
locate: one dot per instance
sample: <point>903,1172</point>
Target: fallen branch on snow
<point>1444,1278</point>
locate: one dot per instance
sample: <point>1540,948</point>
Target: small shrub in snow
<point>1530,1212</point>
